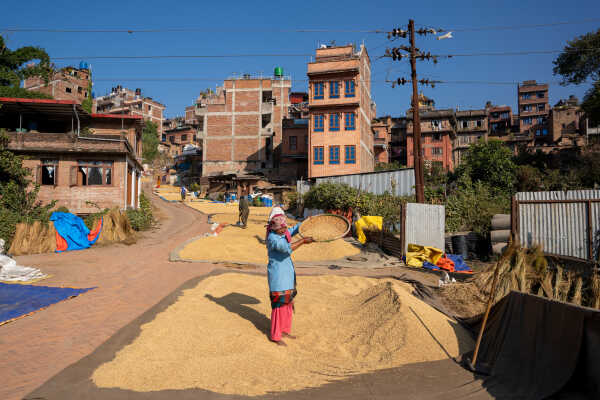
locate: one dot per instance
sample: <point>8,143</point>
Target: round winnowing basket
<point>325,227</point>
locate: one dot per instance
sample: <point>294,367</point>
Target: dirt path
<point>129,280</point>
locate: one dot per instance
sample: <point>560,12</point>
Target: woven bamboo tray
<point>325,227</point>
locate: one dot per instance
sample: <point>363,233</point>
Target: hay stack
<point>33,239</point>
<point>526,270</point>
<point>116,228</point>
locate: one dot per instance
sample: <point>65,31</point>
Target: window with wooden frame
<point>334,122</point>
<point>92,173</point>
<point>319,89</point>
<point>47,173</point>
<point>334,89</point>
<point>349,89</point>
<point>293,143</point>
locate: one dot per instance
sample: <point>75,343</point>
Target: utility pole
<point>414,54</point>
<point>417,148</point>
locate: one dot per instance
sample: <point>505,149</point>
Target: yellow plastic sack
<point>367,222</point>
<point>416,255</point>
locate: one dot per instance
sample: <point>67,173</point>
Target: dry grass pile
<point>524,270</point>
<point>235,244</point>
<point>38,238</point>
<point>214,337</point>
<point>116,228</point>
<point>33,239</point>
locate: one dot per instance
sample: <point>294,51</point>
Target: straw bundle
<point>116,228</point>
<point>526,270</point>
<point>33,238</point>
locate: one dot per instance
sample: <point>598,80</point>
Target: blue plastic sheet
<point>17,300</point>
<point>459,263</point>
<point>73,230</point>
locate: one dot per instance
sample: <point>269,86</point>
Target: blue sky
<point>231,28</point>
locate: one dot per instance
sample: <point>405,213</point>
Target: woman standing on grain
<point>281,274</point>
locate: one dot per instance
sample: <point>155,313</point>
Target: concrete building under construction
<point>240,124</point>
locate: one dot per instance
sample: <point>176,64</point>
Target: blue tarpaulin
<point>18,300</point>
<point>73,230</point>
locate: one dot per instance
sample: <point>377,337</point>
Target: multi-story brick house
<point>121,100</point>
<point>533,108</point>
<point>471,125</point>
<point>341,110</point>
<point>382,137</point>
<point>178,134</point>
<point>241,124</point>
<point>565,119</point>
<point>438,131</point>
<point>68,83</point>
<point>499,120</point>
<point>101,165</point>
<point>294,149</point>
<point>398,140</point>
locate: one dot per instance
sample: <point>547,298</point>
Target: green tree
<point>580,61</point>
<point>18,200</point>
<point>86,104</point>
<point>491,163</point>
<point>22,63</point>
<point>149,142</point>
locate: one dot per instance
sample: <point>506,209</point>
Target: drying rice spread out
<point>215,337</point>
<point>234,244</point>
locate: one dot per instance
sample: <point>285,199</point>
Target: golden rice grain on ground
<point>214,337</point>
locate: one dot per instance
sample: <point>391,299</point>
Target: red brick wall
<point>75,197</point>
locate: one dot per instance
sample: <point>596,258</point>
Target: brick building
<point>68,83</point>
<point>564,121</point>
<point>101,165</point>
<point>398,140</point>
<point>240,124</point>
<point>471,125</point>
<point>179,134</point>
<point>438,131</point>
<point>533,108</point>
<point>499,120</point>
<point>341,111</point>
<point>121,100</point>
<point>294,149</point>
<point>382,137</point>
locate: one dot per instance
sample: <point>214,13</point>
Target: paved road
<point>129,279</point>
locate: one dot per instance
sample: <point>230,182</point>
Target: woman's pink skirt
<point>281,321</point>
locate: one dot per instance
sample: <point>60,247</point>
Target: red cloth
<point>446,264</point>
<point>281,321</point>
<point>92,235</point>
<point>61,243</point>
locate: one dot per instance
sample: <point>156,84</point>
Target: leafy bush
<point>291,199</point>
<point>339,196</point>
<point>142,218</point>
<point>62,209</point>
<point>471,206</point>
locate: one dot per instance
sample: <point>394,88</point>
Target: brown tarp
<point>536,348</point>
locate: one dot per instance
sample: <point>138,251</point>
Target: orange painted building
<point>341,110</point>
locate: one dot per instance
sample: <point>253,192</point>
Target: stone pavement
<point>129,280</point>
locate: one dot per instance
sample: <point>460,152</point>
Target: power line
<point>516,27</point>
<point>173,30</point>
<point>177,56</point>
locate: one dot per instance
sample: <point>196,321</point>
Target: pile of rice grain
<point>214,337</point>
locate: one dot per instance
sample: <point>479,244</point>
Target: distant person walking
<point>281,274</point>
<point>244,209</point>
<point>183,193</point>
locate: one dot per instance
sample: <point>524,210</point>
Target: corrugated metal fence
<point>425,225</point>
<point>564,223</point>
<point>400,183</point>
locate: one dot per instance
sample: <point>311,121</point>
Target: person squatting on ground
<point>281,274</point>
<point>183,193</point>
<point>244,209</point>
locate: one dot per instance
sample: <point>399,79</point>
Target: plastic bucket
<point>459,245</point>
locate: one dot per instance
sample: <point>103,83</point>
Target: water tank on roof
<point>278,71</point>
<point>83,65</point>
